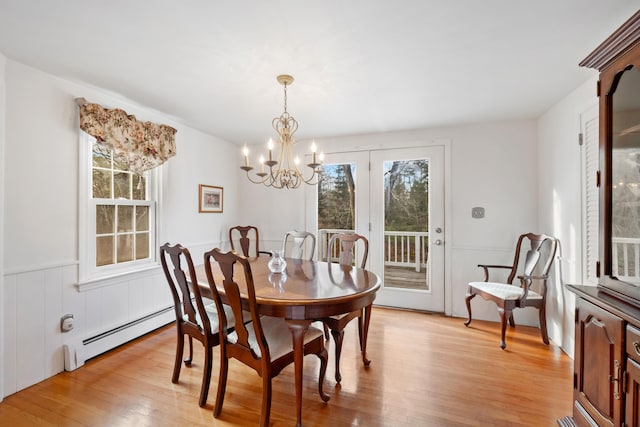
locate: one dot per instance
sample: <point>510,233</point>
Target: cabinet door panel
<point>598,363</point>
<point>632,400</point>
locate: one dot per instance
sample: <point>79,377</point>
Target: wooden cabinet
<point>633,398</point>
<point>606,360</point>
<point>598,363</point>
<point>607,322</point>
<point>632,378</point>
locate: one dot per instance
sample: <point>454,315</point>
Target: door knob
<point>438,242</point>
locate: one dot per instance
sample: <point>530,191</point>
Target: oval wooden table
<point>306,291</point>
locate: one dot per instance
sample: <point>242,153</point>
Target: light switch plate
<point>477,212</point>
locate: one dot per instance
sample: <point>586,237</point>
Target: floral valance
<point>144,145</point>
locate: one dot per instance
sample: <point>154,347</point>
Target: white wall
<point>560,198</point>
<point>40,228</point>
<point>491,165</point>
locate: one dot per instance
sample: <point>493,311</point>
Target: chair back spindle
<point>247,237</point>
<point>295,242</point>
<point>347,251</point>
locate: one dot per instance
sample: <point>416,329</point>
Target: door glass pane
<point>406,222</point>
<point>336,203</point>
<point>625,176</point>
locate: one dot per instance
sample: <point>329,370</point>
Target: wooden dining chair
<point>265,343</point>
<point>296,242</point>
<point>246,238</point>
<point>532,261</point>
<point>198,322</point>
<point>346,254</point>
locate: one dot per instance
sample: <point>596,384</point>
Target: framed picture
<point>211,198</point>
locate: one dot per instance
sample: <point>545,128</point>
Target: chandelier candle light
<point>284,172</point>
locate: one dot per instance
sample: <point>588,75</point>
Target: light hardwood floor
<point>426,370</point>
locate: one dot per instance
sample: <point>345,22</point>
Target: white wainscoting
<point>36,299</point>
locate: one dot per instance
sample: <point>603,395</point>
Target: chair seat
<point>212,313</point>
<point>246,316</point>
<point>504,291</point>
<point>278,336</point>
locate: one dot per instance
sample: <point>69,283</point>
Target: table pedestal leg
<point>298,329</point>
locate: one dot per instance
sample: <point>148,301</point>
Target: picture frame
<point>211,199</point>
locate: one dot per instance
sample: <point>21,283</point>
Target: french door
<point>407,233</point>
<point>395,198</point>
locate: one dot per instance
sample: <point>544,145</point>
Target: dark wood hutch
<point>607,318</point>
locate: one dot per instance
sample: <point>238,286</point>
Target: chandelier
<point>283,172</point>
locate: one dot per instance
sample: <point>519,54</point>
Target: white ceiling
<point>360,66</point>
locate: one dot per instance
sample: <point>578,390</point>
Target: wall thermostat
<point>477,212</point>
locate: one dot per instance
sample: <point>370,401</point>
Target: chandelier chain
<point>285,97</point>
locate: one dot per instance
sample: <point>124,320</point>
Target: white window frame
<point>89,273</point>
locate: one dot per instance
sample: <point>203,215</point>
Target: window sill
<point>90,284</point>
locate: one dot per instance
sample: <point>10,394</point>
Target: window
<point>117,214</point>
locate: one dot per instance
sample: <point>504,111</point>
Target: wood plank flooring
<point>405,277</point>
<point>426,370</point>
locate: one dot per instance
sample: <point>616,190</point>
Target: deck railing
<point>406,249</point>
<point>401,248</point>
<point>625,255</point>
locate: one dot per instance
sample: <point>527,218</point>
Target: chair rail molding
<point>40,267</point>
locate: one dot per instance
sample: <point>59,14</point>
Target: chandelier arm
<point>316,173</point>
<point>256,182</point>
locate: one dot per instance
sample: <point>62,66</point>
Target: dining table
<point>306,291</point>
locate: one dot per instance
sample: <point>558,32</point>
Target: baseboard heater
<point>75,354</point>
